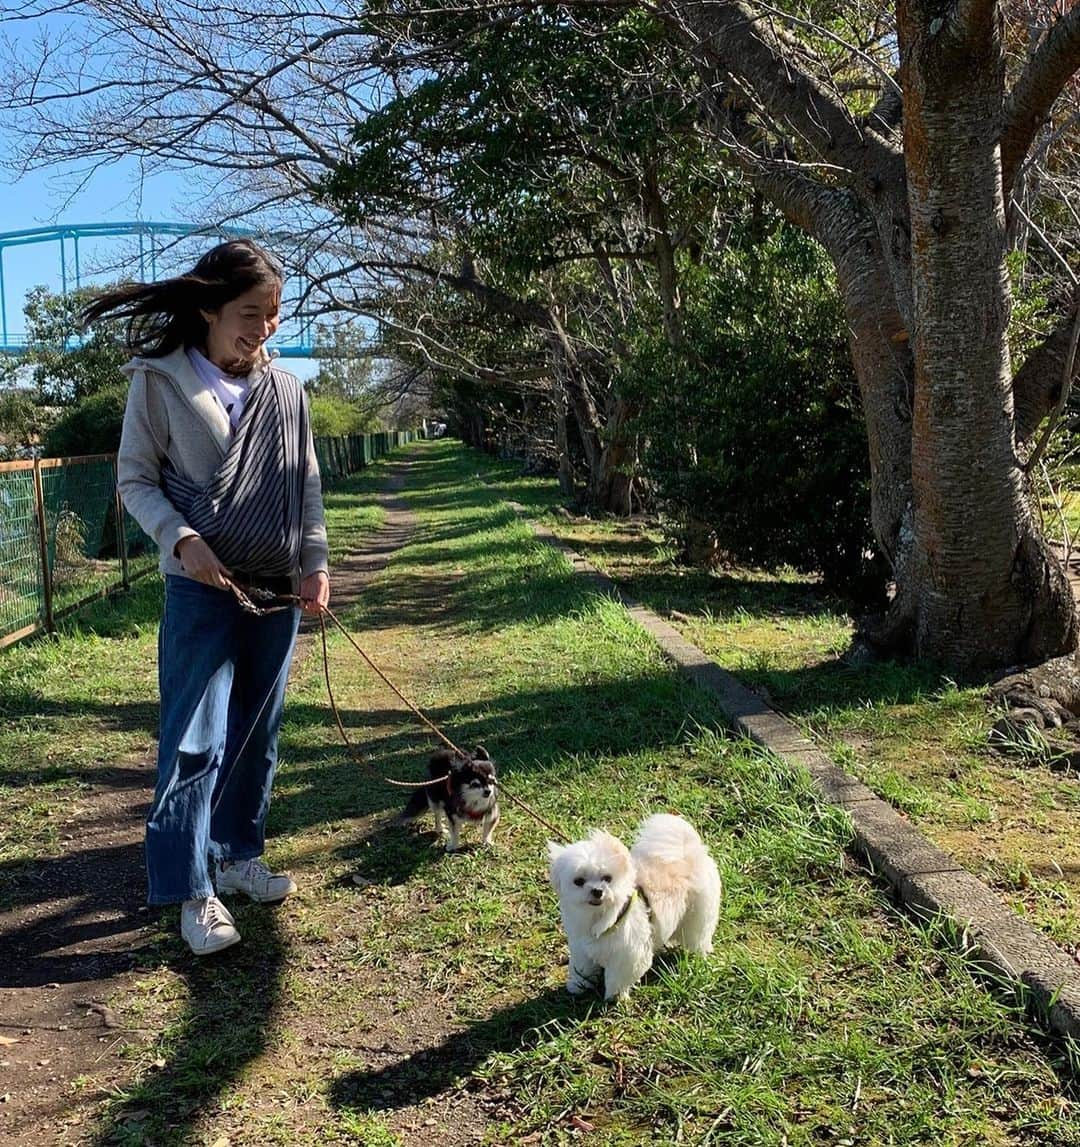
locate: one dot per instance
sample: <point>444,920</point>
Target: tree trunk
<point>608,445</point>
<point>983,589</point>
<point>881,355</point>
<point>562,441</point>
<point>614,482</point>
<point>917,233</point>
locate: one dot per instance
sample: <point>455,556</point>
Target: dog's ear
<point>480,754</point>
<point>554,851</point>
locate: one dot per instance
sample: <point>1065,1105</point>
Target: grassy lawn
<point>409,997</point>
<point>908,732</point>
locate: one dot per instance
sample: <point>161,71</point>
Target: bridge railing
<point>17,343</point>
<point>66,539</point>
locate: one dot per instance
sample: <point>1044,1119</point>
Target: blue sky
<point>49,197</point>
<point>114,195</point>
<point>42,198</point>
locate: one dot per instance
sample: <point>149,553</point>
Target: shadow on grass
<point>391,853</point>
<point>26,704</point>
<point>757,598</point>
<point>122,614</point>
<point>228,1019</point>
<point>834,685</point>
<point>23,704</point>
<point>475,584</point>
<point>525,731</point>
<point>746,595</point>
<point>430,1071</point>
<point>482,598</point>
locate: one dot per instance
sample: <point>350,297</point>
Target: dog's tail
<point>418,803</point>
<point>668,838</point>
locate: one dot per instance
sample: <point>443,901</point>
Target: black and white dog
<point>469,793</point>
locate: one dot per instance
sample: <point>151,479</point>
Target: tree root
<point>1045,696</point>
<point>1027,699</point>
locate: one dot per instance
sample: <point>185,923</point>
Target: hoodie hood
<point>176,367</point>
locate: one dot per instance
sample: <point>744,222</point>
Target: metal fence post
<point>121,531</point>
<point>43,543</point>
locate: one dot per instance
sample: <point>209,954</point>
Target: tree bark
<point>881,354</point>
<point>983,587</point>
<point>919,243</point>
<point>562,441</point>
<point>666,271</point>
<point>618,461</point>
<point>607,440</point>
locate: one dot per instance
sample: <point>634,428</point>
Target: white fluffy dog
<point>620,907</point>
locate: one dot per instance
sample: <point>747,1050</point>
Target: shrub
<point>91,426</point>
<point>22,422</point>
<point>754,431</point>
<point>333,417</point>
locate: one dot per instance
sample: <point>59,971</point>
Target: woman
<point>217,465</point>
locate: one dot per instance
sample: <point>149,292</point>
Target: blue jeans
<point>222,675</point>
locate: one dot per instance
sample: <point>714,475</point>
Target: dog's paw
<point>617,988</point>
<point>578,982</point>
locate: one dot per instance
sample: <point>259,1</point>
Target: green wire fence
<point>66,539</point>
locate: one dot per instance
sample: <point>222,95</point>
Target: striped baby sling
<point>250,513</point>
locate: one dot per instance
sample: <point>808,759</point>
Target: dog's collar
<point>623,911</point>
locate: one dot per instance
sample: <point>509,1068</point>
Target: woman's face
<point>239,328</point>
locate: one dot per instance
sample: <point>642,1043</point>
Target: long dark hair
<point>165,315</point>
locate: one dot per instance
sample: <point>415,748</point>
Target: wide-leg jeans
<point>222,675</point>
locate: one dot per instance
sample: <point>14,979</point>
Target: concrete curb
<point>1000,945</point>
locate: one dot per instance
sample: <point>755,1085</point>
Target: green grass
<point>907,731</point>
<point>406,996</point>
<point>1063,515</point>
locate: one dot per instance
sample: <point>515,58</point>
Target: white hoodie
<point>171,413</point>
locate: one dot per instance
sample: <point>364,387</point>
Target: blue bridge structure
<point>296,340</point>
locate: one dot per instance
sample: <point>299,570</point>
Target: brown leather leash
<point>248,598</point>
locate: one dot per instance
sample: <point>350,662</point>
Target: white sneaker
<point>254,879</point>
<point>207,926</point>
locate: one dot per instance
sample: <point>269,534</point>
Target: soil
<point>74,942</point>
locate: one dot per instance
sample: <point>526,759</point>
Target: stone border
<point>1000,945</point>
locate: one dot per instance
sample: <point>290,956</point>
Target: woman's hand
<point>315,592</point>
<point>200,561</point>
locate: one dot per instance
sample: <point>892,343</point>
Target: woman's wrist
<point>178,549</point>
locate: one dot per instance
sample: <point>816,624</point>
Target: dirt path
<point>79,938</point>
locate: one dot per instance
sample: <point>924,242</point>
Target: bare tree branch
<point>1051,65</point>
<point>739,44</point>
